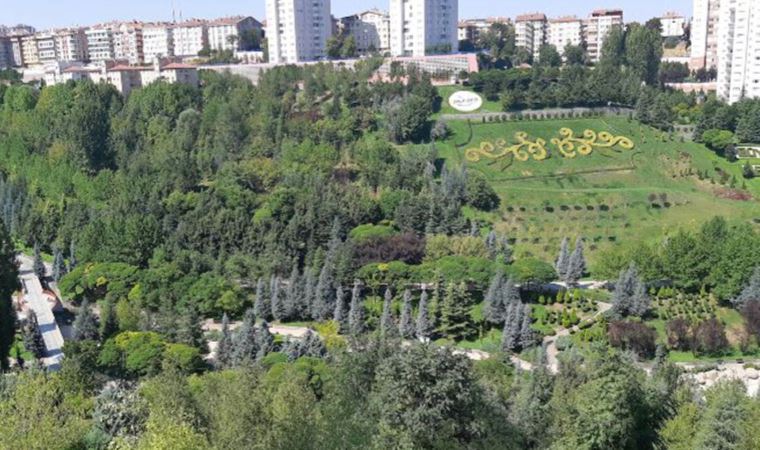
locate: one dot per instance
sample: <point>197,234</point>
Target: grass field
<point>610,196</point>
<point>446,91</point>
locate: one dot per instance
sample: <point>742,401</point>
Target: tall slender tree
<point>109,321</point>
<point>244,347</point>
<point>73,261</point>
<point>563,259</point>
<point>576,265</point>
<point>224,347</point>
<point>59,265</point>
<point>339,315</point>
<point>8,285</point>
<point>424,326</point>
<point>356,311</point>
<point>85,326</point>
<point>33,341</point>
<point>527,337</point>
<point>387,326</point>
<point>189,328</point>
<point>264,341</point>
<point>494,307</point>
<point>406,326</point>
<point>39,265</point>
<point>277,302</point>
<point>261,304</point>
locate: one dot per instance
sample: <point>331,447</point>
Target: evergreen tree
<point>59,265</point>
<point>387,327</point>
<point>576,265</point>
<point>313,345</point>
<point>189,328</point>
<point>294,295</point>
<point>339,315</point>
<point>356,311</point>
<point>109,322</point>
<point>323,297</point>
<point>527,337</point>
<point>504,250</point>
<point>750,293</point>
<point>563,260</point>
<point>264,341</point>
<point>455,312</point>
<point>309,293</point>
<point>261,304</point>
<point>494,308</point>
<point>625,300</point>
<point>279,309</point>
<point>85,326</point>
<point>72,257</point>
<point>244,347</point>
<point>224,347</point>
<point>424,327</point>
<point>39,265</point>
<point>8,285</point>
<point>508,343</point>
<point>406,327</point>
<point>33,341</point>
<point>640,301</point>
<point>492,244</point>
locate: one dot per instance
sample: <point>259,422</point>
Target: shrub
<point>370,231</point>
<point>531,270</point>
<point>710,337</point>
<point>633,336</point>
<point>479,192</point>
<point>407,247</point>
<point>439,246</point>
<point>678,331</point>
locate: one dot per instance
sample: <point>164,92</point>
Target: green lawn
<point>446,91</point>
<point>609,196</point>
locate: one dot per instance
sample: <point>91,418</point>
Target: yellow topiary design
<point>521,151</point>
<point>569,144</point>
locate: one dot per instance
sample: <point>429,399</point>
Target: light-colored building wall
<point>597,27</point>
<point>564,31</point>
<point>224,34</point>
<point>158,41</point>
<point>46,47</point>
<point>100,44</point>
<point>371,30</point>
<point>739,50</point>
<point>704,34</point>
<point>190,38</point>
<point>531,32</point>
<point>672,24</point>
<point>6,53</point>
<point>297,30</point>
<point>128,43</point>
<point>30,55</point>
<point>71,44</point>
<point>423,27</point>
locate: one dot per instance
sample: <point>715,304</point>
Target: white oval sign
<point>465,101</point>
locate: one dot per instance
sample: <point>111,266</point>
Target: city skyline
<point>85,12</point>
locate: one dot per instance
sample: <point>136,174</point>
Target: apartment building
<point>423,27</point>
<point>739,50</point>
<point>472,29</point>
<point>371,30</point>
<point>704,34</point>
<point>128,41</point>
<point>158,41</point>
<point>563,31</point>
<point>100,43</point>
<point>46,52</point>
<point>6,53</point>
<point>531,32</point>
<point>190,38</point>
<point>225,33</point>
<point>29,54</point>
<point>71,44</point>
<point>297,30</point>
<point>673,24</point>
<point>598,25</point>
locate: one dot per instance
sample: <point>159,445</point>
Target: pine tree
<point>406,327</point>
<point>493,310</point>
<point>59,265</point>
<point>39,265</point>
<point>85,326</point>
<point>189,328</point>
<point>563,260</point>
<point>455,312</point>
<point>339,315</point>
<point>751,291</point>
<point>279,310</point>
<point>624,298</point>
<point>424,327</point>
<point>527,337</point>
<point>224,347</point>
<point>508,343</point>
<point>323,297</point>
<point>33,341</point>
<point>640,301</point>
<point>264,341</point>
<point>261,305</point>
<point>244,347</point>
<point>356,311</point>
<point>576,265</point>
<point>309,293</point>
<point>72,257</point>
<point>8,285</point>
<point>492,244</point>
<point>387,327</point>
<point>293,295</point>
<point>504,250</point>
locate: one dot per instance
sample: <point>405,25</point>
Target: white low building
<point>673,24</point>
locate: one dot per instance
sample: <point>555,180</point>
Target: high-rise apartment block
<point>704,34</point>
<point>472,29</point>
<point>230,33</point>
<point>128,41</point>
<point>100,45</point>
<point>564,31</point>
<point>190,38</point>
<point>158,41</point>
<point>371,30</point>
<point>297,30</point>
<point>739,50</point>
<point>423,27</point>
<point>530,32</point>
<point>598,25</point>
<point>71,45</point>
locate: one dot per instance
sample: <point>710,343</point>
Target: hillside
<point>610,195</point>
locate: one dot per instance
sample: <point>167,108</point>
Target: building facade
<point>29,53</point>
<point>190,38</point>
<point>423,27</point>
<point>673,24</point>
<point>71,44</point>
<point>597,27</point>
<point>225,33</point>
<point>564,31</point>
<point>531,32</point>
<point>128,42</point>
<point>297,30</point>
<point>739,50</point>
<point>100,43</point>
<point>704,34</point>
<point>158,41</point>
<point>371,30</point>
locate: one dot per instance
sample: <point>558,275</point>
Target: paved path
<point>38,302</point>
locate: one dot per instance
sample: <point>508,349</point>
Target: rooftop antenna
<point>174,13</point>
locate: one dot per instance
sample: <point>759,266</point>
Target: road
<point>37,302</point>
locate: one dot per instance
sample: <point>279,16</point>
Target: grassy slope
<point>446,91</point>
<point>527,188</point>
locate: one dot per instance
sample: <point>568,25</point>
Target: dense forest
<point>318,197</point>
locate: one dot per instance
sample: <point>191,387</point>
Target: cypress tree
<point>244,347</point>
<point>576,265</point>
<point>264,341</point>
<point>39,265</point>
<point>85,327</point>
<point>339,315</point>
<point>279,309</point>
<point>189,328</point>
<point>261,305</point>
<point>406,327</point>
<point>751,291</point>
<point>424,326</point>
<point>224,346</point>
<point>563,260</point>
<point>323,300</point>
<point>8,285</point>
<point>33,341</point>
<point>59,265</point>
<point>493,309</point>
<point>309,293</point>
<point>387,326</point>
<point>356,312</point>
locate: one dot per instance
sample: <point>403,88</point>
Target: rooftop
<point>531,17</point>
